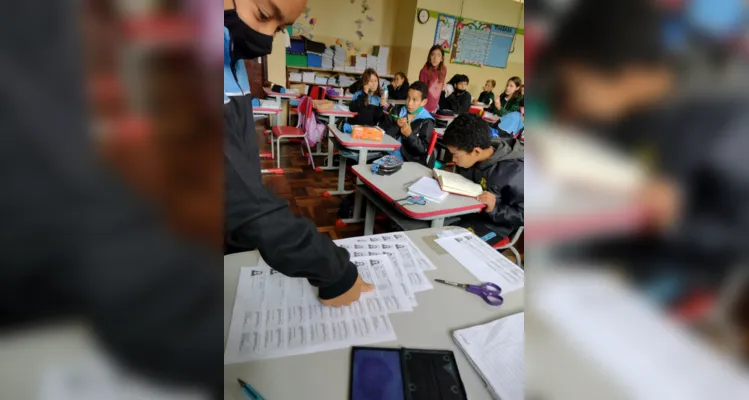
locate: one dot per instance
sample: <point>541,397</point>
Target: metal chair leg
<point>309,151</point>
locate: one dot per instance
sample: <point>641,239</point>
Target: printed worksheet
<point>408,253</point>
<point>423,261</point>
<point>356,250</point>
<point>484,262</point>
<point>277,316</point>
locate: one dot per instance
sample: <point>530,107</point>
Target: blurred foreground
<point>638,213</point>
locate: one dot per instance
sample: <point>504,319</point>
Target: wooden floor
<point>304,188</point>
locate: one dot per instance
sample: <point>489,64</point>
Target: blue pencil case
<point>387,165</point>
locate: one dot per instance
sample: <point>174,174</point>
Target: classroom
<point>390,139</point>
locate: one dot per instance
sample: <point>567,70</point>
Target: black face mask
<point>459,92</point>
<point>246,43</point>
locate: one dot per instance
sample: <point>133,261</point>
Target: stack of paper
<point>382,53</point>
<point>327,58</point>
<point>332,81</point>
<point>497,352</point>
<point>429,189</point>
<point>350,68</point>
<point>308,77</point>
<point>321,80</point>
<point>372,62</point>
<point>339,57</point>
<point>360,63</point>
<point>295,76</point>
<point>277,316</point>
<point>345,80</point>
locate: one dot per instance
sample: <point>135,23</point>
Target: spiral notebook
<point>497,352</point>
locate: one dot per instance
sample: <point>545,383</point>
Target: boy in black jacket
<point>414,126</point>
<point>498,167</point>
<point>459,101</point>
<point>398,90</point>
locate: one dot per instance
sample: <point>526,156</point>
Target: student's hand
<point>475,101</point>
<point>663,203</point>
<point>489,199</point>
<point>406,130</point>
<point>351,295</point>
<point>383,102</point>
<point>402,122</point>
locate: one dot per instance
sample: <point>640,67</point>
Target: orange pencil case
<point>367,133</point>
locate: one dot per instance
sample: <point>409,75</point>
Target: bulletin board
<point>443,34</point>
<point>481,44</point>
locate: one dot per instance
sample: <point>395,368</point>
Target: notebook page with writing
<point>453,183</point>
<point>497,352</point>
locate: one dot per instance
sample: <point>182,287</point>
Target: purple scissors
<point>488,291</point>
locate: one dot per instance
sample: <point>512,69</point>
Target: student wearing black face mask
<point>459,101</point>
<point>256,218</point>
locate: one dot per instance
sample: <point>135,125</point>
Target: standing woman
<point>433,74</point>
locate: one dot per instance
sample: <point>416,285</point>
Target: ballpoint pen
<point>249,390</point>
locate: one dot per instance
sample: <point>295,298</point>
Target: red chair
<point>431,155</point>
<point>292,132</point>
<point>509,243</point>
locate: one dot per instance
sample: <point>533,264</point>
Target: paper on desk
<point>484,262</point>
<point>497,352</point>
<point>270,104</point>
<point>277,316</point>
<point>423,261</point>
<point>389,295</point>
<point>356,249</point>
<point>341,107</point>
<point>409,256</point>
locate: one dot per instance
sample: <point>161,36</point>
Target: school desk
<point>490,118</point>
<point>280,97</point>
<point>332,114</point>
<point>430,325</point>
<point>345,140</point>
<point>394,188</point>
<point>341,99</point>
<point>397,102</point>
<point>444,118</point>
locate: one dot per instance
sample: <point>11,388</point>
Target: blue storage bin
<point>314,60</point>
<point>297,45</point>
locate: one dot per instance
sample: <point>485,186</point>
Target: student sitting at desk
<point>459,101</point>
<point>368,101</point>
<point>509,100</point>
<point>398,90</point>
<point>497,167</point>
<point>414,127</point>
<point>487,96</point>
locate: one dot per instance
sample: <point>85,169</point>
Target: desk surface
<point>348,141</point>
<point>439,132</point>
<point>326,375</point>
<point>341,97</point>
<point>283,95</point>
<point>399,102</point>
<point>334,112</point>
<point>444,117</point>
<point>395,187</point>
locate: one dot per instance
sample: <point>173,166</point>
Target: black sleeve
<point>359,103</point>
<point>464,103</point>
<point>401,93</point>
<point>77,240</point>
<point>417,143</point>
<point>256,218</point>
<point>509,209</point>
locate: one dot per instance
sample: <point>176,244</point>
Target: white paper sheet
<point>277,316</point>
<point>419,257</point>
<point>484,262</point>
<point>401,275</point>
<point>389,295</point>
<point>408,253</point>
<point>497,352</point>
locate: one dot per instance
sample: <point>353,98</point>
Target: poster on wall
<point>500,45</point>
<point>471,42</point>
<point>443,34</point>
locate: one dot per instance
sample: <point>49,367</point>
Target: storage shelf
<point>333,71</point>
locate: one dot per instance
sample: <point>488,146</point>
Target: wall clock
<point>423,16</point>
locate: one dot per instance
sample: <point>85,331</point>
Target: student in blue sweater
<point>414,125</point>
<point>368,102</point>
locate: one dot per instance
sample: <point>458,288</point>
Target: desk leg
<point>341,180</point>
<point>358,196</point>
<point>438,223</point>
<point>369,219</point>
<point>329,165</point>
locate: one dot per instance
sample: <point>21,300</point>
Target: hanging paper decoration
<point>313,21</point>
<point>358,23</point>
<point>364,6</point>
<point>338,42</point>
<point>360,34</point>
<point>306,12</point>
<point>370,18</point>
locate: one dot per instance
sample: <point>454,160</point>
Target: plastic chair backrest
<point>304,110</point>
<point>316,92</point>
<point>430,150</point>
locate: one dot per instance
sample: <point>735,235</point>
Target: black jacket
<point>458,103</point>
<point>486,98</point>
<point>367,113</point>
<point>502,175</point>
<point>399,93</point>
<point>257,219</point>
<point>414,147</point>
<point>77,242</point>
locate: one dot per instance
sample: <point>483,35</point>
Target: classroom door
<point>257,73</point>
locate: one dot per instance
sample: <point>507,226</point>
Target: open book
<point>497,352</point>
<point>453,183</point>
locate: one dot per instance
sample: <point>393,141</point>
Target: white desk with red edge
<point>387,144</point>
<point>331,114</point>
<point>394,190</point>
<point>280,97</point>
